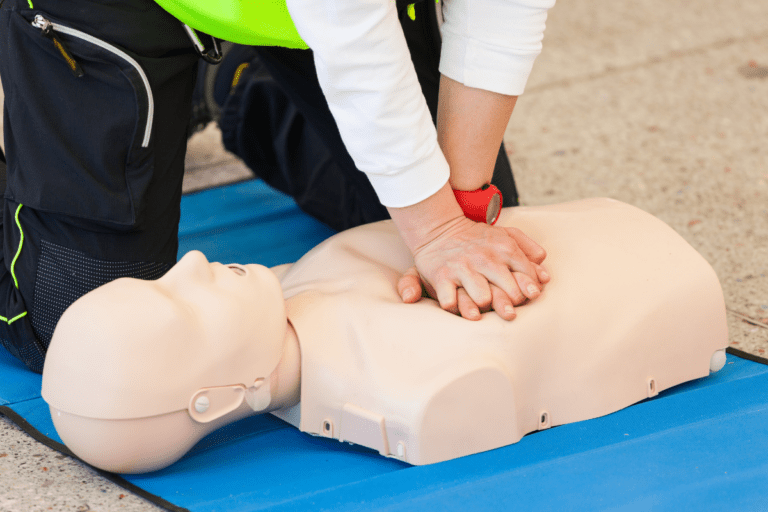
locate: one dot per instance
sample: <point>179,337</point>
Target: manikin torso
<point>631,310</point>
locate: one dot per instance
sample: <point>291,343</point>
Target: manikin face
<point>225,303</point>
<point>157,342</point>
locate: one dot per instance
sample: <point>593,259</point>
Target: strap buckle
<point>213,55</point>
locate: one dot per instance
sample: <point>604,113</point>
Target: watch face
<point>494,209</point>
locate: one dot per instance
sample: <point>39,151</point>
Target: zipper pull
<point>46,27</point>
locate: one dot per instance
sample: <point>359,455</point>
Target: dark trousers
<point>94,162</point>
<point>278,122</point>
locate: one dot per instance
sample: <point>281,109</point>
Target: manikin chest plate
<point>631,310</point>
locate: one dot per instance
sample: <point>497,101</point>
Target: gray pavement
<point>660,104</point>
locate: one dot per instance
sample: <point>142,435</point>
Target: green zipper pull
<point>47,29</point>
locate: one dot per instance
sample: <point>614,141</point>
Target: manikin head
<point>162,363</point>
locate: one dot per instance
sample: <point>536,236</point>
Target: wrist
<point>422,222</point>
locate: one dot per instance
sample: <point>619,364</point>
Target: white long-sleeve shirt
<point>365,71</point>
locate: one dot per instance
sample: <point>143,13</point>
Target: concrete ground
<point>660,104</point>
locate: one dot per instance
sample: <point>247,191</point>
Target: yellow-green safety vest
<point>250,22</point>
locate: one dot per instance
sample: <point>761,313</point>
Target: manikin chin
<point>139,371</point>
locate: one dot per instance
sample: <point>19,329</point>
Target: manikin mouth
<point>237,269</point>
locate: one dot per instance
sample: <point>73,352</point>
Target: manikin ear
<point>210,404</point>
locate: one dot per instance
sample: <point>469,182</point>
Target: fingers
<point>502,304</point>
<point>471,293</point>
<point>509,284</point>
<point>478,289</point>
<point>519,285</point>
<point>459,301</point>
<point>468,291</point>
<point>409,286</point>
<point>519,262</point>
<point>476,268</point>
<point>467,307</point>
<point>446,293</point>
<point>465,293</point>
<point>528,287</point>
<point>543,276</point>
<point>532,250</point>
<point>510,254</point>
<point>485,297</point>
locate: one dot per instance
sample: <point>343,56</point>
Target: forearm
<point>488,50</point>
<point>470,128</point>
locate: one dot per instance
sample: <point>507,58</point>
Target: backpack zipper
<point>49,30</point>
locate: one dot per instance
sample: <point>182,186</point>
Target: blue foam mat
<point>701,445</point>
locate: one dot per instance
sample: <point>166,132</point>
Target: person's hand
<point>472,268</point>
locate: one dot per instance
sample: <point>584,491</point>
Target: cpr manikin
<point>139,371</point>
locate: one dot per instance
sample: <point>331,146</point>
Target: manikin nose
<point>192,265</point>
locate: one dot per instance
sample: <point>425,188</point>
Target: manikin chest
<point>631,310</point>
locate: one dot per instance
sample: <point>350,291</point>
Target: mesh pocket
<point>64,275</point>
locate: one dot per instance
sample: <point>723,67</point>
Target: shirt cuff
<point>481,65</point>
<point>414,183</point>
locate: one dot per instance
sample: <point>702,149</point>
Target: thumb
<point>409,286</point>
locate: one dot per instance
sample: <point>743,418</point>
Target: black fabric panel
<point>285,148</point>
<point>3,170</point>
<point>19,339</point>
<point>64,275</point>
<point>110,98</point>
<point>294,72</point>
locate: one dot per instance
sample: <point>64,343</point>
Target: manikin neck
<point>285,380</point>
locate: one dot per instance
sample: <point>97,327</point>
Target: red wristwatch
<point>481,205</point>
